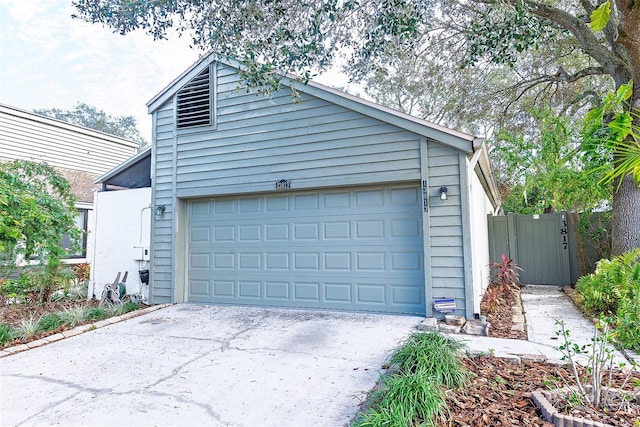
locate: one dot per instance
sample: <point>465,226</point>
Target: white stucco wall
<point>121,229</point>
<point>480,206</point>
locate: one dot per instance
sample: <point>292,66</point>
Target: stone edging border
<point>552,415</point>
<point>79,330</point>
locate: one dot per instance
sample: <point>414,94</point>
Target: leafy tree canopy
<point>93,118</point>
<point>547,50</point>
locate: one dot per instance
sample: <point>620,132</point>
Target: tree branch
<point>610,61</point>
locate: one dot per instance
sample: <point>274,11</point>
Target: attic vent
<point>194,102</point>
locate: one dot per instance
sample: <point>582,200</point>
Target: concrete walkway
<point>543,305</point>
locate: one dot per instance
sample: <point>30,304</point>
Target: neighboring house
<point>332,202</point>
<point>78,153</point>
<point>121,227</point>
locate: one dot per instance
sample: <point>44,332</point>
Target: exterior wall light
<point>443,193</point>
<point>160,210</point>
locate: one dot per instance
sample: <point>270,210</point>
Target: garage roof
<point>459,140</point>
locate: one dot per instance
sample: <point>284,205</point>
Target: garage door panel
<point>357,249</point>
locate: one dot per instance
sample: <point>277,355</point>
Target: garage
<point>329,202</point>
<point>354,249</point>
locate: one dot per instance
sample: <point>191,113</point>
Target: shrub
<point>614,290</point>
<point>505,272</point>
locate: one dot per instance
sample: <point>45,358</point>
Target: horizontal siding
<point>163,276</point>
<point>260,140</point>
<point>445,225</point>
<point>30,139</point>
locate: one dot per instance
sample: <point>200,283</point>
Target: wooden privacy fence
<point>542,245</point>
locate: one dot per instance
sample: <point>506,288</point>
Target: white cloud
<point>50,60</point>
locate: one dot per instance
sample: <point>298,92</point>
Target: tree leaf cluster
<point>36,211</point>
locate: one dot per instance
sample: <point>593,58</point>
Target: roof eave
<point>124,165</point>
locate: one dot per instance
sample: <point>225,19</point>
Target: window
<point>81,224</point>
<point>194,102</point>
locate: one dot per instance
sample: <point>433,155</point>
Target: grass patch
<point>49,322</point>
<point>426,365</point>
<point>6,333</point>
<point>97,313</point>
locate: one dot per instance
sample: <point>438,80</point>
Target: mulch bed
<point>12,314</point>
<point>498,305</point>
<point>500,394</point>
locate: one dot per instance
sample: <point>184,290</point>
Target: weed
<point>49,322</point>
<point>6,333</point>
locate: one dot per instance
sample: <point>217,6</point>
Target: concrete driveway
<point>204,365</point>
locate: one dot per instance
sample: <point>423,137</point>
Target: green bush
<point>6,333</point>
<point>614,290</point>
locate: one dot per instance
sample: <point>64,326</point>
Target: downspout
<point>91,290</point>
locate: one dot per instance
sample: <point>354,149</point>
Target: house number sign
<point>565,234</point>
<point>283,184</point>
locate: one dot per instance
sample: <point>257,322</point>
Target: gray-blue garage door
<point>357,249</point>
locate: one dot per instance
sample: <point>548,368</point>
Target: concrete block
<point>454,320</point>
<point>476,327</point>
<point>72,332</point>
<point>4,353</point>
<point>101,324</point>
<point>449,329</point>
<point>429,324</point>
<point>513,358</point>
<point>533,358</point>
<point>54,337</point>
<point>131,315</point>
<point>17,348</point>
<point>37,343</point>
<point>112,320</point>
<point>84,328</point>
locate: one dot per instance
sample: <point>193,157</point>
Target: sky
<point>50,60</point>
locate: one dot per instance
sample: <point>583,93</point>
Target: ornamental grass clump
<point>425,366</point>
<point>435,356</point>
